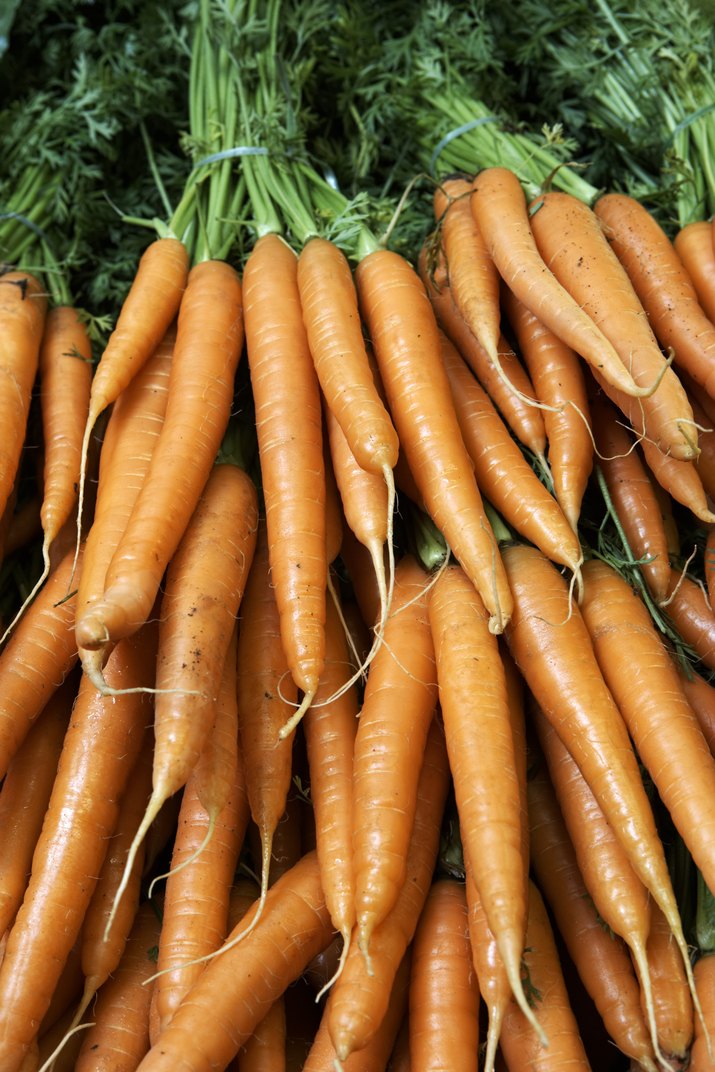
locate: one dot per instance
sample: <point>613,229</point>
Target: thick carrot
<point>559,384</point>
<point>98,754</point>
<point>499,207</point>
<point>671,996</point>
<point>235,991</point>
<point>571,241</point>
<point>406,340</point>
<point>475,708</point>
<point>444,998</point>
<point>208,346</point>
<point>600,957</point>
<point>569,687</point>
<point>704,971</point>
<point>23,305</point>
<point>661,283</point>
<point>288,425</point>
<point>400,698</point>
<point>503,474</point>
<point>694,246</point>
<point>359,1000</point>
<point>688,609</point>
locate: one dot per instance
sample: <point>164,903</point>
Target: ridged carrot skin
<point>405,336</point>
<point>694,245</point>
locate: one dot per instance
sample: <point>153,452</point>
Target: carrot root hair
<point>339,970</point>
<point>189,860</point>
<point>61,1045</point>
<point>157,799</point>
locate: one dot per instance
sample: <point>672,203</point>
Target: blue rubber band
<point>456,133</point>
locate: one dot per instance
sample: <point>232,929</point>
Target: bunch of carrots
<point>285,783</point>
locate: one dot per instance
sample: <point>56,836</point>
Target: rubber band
<point>24,220</point>
<point>228,154</point>
<point>456,133</point>
<point>684,123</point>
<point>331,178</point>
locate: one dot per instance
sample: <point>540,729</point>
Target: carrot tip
<point>297,715</point>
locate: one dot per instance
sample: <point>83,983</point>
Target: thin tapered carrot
<point>694,246</point>
<point>571,241</point>
<point>559,384</point>
<point>688,609</point>
<point>704,971</point>
<point>444,997</point>
<point>400,698</point>
<point>600,957</point>
<point>98,754</point>
<point>37,658</point>
<point>526,421</point>
<point>25,795</point>
<point>519,1044</point>
<point>680,479</point>
<point>235,991</point>
<point>632,495</point>
<point>265,1050</point>
<point>23,305</point>
<point>206,354</point>
<point>119,1037</point>
<point>288,425</point>
<point>493,981</point>
<point>148,309</point>
<point>359,1000</point>
<point>661,283</point>
<point>503,475</point>
<point>475,708</point>
<point>661,722</point>
<point>500,209</point>
<point>569,687</point>
<point>473,277</point>
<point>405,336</point>
<point>671,996</point>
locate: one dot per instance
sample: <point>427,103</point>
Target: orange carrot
<point>671,996</point>
<point>288,424</point>
<point>680,479</point>
<point>406,340</point>
<point>687,607</point>
<point>494,985</point>
<point>704,971</point>
<point>694,246</point>
<point>265,1050</point>
<point>701,696</point>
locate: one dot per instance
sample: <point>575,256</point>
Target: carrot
<point>680,479</point>
<point>473,698</point>
<point>400,698</point>
<point>148,310</point>
<point>632,496</point>
<point>671,996</point>
<point>661,283</point>
<point>518,1043</point>
<point>23,305</point>
<point>207,350</point>
<point>235,991</point>
<point>599,955</point>
<point>559,384</point>
<point>688,609</point>
<point>701,696</point>
<point>511,396</point>
<point>704,971</point>
<point>98,754</point>
<point>25,795</point>
<point>499,207</point>
<point>284,384</point>
<point>443,986</point>
<point>405,336</point>
<point>359,1000</point>
<point>694,246</point>
<point>473,278</point>
<point>266,1048</point>
<point>571,241</point>
<point>119,1037</point>
<point>503,475</point>
<point>705,463</point>
<point>569,687</point>
<point>494,985</point>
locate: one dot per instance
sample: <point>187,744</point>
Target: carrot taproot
<point>661,283</point>
<point>559,384</point>
<point>569,687</point>
<point>493,981</point>
<point>265,1050</point>
<point>206,354</point>
<point>98,753</point>
<point>599,955</point>
<point>359,1000</point>
<point>235,991</point>
<point>511,397</point>
<point>151,304</point>
<point>519,1045</point>
<point>23,305</point>
<point>119,1037</point>
<point>500,209</point>
<point>443,986</point>
<point>474,703</point>
<point>694,246</point>
<point>503,475</point>
<point>672,1002</point>
<point>704,971</point>
<point>395,718</point>
<point>284,383</point>
<point>405,336</point>
<point>688,609</point>
<point>571,241</point>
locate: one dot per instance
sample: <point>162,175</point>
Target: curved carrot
<point>285,386</point>
<point>694,246</point>
<point>206,354</point>
<point>444,1005</point>
<point>687,607</point>
<point>405,336</point>
<point>569,237</point>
